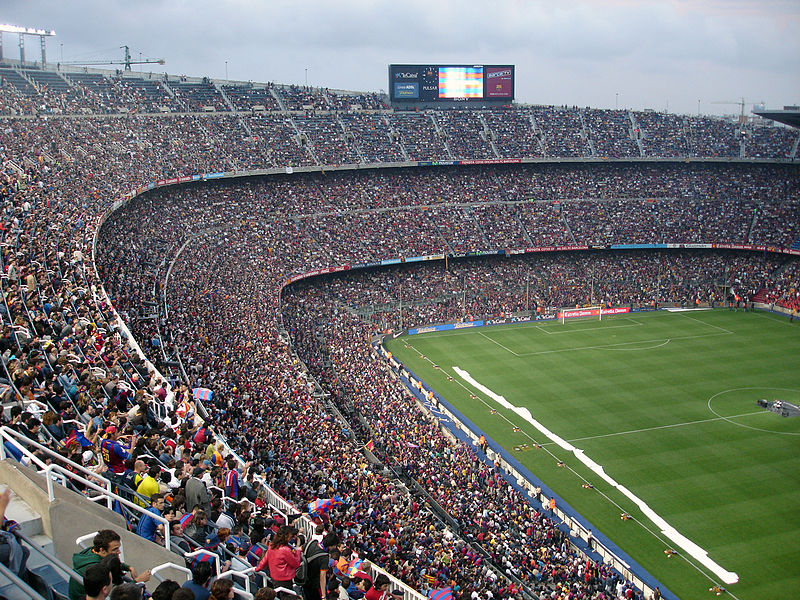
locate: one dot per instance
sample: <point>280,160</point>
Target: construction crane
<point>741,103</point>
<point>126,60</point>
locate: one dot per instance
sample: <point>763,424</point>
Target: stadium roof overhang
<point>789,117</point>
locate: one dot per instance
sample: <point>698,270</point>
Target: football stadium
<point>270,339</point>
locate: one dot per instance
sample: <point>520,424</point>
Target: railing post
<point>48,477</point>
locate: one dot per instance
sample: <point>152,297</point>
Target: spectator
<point>126,591</point>
<point>165,590</point>
<point>148,527</point>
<point>97,582</point>
<point>13,554</point>
<point>149,484</point>
<point>197,493</point>
<point>222,589</point>
<point>106,542</point>
<point>198,584</point>
<point>282,558</point>
<point>316,572</point>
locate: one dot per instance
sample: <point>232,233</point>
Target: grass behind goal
<point>666,403</point>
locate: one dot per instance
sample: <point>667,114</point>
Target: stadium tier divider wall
<point>525,482</point>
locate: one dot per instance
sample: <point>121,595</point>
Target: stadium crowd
<point>230,267</point>
<point>235,245</point>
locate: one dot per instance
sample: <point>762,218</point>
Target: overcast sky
<point>664,54</point>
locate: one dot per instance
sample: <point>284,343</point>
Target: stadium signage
<point>423,330</point>
<point>491,161</point>
<point>507,320</point>
<point>450,83</point>
<point>549,249</point>
<point>316,272</point>
<point>445,327</point>
<point>503,73</point>
<point>593,312</point>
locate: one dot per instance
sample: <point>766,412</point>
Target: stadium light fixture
<point>25,30</point>
<point>22,32</point>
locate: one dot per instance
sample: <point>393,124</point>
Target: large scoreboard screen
<point>431,83</point>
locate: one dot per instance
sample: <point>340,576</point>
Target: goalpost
<point>586,312</point>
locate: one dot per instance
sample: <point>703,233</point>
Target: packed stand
<point>662,134</point>
<point>466,132</point>
<point>365,101</point>
<point>302,98</point>
<point>562,129</point>
<point>610,130</point>
<point>198,97</point>
<point>713,137</point>
<point>328,138</point>
<point>770,142</point>
<point>247,97</point>
<point>373,137</point>
<point>418,136</point>
<point>515,133</point>
<point>236,258</point>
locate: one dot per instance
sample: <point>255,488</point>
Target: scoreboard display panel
<point>432,83</point>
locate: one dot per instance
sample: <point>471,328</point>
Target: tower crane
<point>126,60</point>
<point>740,103</point>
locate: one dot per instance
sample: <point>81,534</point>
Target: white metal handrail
<point>157,569</point>
<point>245,573</point>
<point>110,497</point>
<point>223,497</point>
<point>245,593</point>
<point>201,551</point>
<point>19,440</point>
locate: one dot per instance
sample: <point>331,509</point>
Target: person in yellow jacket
<point>149,485</point>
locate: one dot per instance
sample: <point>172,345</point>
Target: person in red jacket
<point>282,558</point>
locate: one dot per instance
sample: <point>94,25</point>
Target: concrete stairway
<point>44,578</point>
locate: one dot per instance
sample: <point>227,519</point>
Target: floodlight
<point>25,30</point>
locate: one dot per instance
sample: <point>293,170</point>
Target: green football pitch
<point>666,403</point>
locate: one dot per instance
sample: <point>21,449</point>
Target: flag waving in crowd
<point>441,594</point>
<point>323,506</point>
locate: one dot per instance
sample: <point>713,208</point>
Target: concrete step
<point>44,542</point>
<point>36,559</point>
<point>30,523</point>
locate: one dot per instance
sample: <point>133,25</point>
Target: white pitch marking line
<point>545,449</point>
<point>593,329</point>
<point>608,346</point>
<point>667,530</point>
<point>706,324</point>
<point>498,343</point>
<point>605,435</point>
<point>664,343</point>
